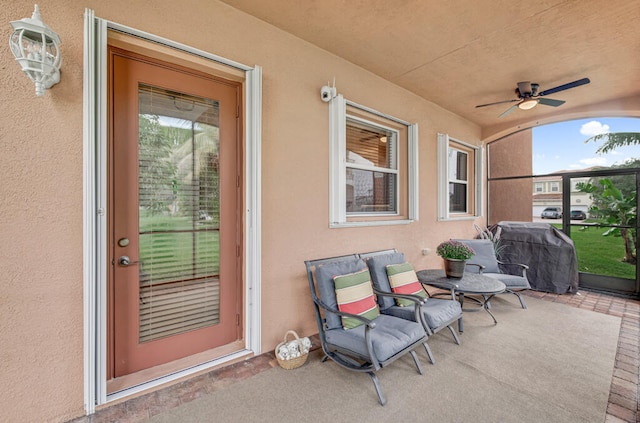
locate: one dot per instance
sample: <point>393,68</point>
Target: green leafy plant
<point>455,250</point>
<point>615,140</point>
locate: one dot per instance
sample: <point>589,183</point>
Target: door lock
<point>126,261</point>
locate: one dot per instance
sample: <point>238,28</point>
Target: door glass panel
<point>179,212</point>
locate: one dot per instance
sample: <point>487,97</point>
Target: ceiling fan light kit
<point>529,97</point>
<point>528,104</point>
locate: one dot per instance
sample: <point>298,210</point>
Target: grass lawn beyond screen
<point>599,254</point>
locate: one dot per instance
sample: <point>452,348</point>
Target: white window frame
<point>94,210</point>
<point>444,145</point>
<point>338,217</point>
<point>554,186</point>
<point>538,187</point>
<point>457,152</point>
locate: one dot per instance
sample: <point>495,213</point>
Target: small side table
<point>471,283</point>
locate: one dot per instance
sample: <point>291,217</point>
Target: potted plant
<point>455,255</point>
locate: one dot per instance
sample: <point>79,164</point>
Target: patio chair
<point>369,343</point>
<point>486,262</point>
<point>436,314</point>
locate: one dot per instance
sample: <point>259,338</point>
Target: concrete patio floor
<point>623,395</point>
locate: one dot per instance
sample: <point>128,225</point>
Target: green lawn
<point>600,254</point>
<point>169,249</point>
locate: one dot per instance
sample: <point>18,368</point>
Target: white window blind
<point>178,212</point>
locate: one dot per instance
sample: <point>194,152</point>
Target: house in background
<point>547,192</point>
<point>263,153</point>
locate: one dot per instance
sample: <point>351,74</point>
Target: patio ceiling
<point>461,53</point>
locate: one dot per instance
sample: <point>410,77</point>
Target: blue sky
<point>560,146</point>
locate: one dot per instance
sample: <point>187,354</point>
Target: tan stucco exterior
<point>41,174</point>
<point>510,157</point>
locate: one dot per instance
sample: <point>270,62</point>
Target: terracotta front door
<point>174,181</point>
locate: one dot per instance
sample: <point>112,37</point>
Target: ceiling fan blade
<point>497,102</point>
<point>550,102</point>
<point>573,84</point>
<point>509,110</point>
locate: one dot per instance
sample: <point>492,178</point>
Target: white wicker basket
<point>294,362</point>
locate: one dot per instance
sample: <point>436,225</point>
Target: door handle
<point>126,261</point>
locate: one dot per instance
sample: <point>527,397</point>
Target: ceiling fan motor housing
<point>526,89</point>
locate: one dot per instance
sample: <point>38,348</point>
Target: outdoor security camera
<point>327,93</point>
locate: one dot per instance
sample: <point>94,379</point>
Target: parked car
<point>551,213</point>
<point>578,215</point>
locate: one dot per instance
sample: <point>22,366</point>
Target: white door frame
<point>95,217</point>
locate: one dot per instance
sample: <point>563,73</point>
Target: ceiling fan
<point>529,97</point>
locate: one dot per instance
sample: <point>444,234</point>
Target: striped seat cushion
<point>355,296</point>
<point>403,280</point>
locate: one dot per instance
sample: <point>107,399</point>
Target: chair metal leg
<point>415,360</point>
<point>517,294</point>
<point>376,384</point>
<point>455,335</point>
<point>429,353</point>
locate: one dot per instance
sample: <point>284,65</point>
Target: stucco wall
<point>41,302</point>
<point>41,323</point>
<point>509,157</point>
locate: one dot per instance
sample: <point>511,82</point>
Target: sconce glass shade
<point>528,104</point>
<point>36,48</point>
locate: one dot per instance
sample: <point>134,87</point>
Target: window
<point>555,186</point>
<point>373,167</point>
<point>459,188</point>
<point>458,180</point>
<point>539,187</point>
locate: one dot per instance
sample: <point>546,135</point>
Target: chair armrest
<point>479,266</point>
<point>444,285</point>
<point>418,302</point>
<point>371,324</point>
<point>415,298</point>
<point>522,267</point>
<point>441,285</point>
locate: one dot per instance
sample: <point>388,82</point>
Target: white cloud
<point>594,161</point>
<point>588,162</point>
<point>594,128</point>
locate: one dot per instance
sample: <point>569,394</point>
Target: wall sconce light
<point>36,47</point>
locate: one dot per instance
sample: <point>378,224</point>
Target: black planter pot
<point>454,268</point>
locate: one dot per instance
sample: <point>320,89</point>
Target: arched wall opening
<point>623,107</point>
<point>524,180</point>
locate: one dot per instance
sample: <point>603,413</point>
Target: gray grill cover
<point>549,253</point>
